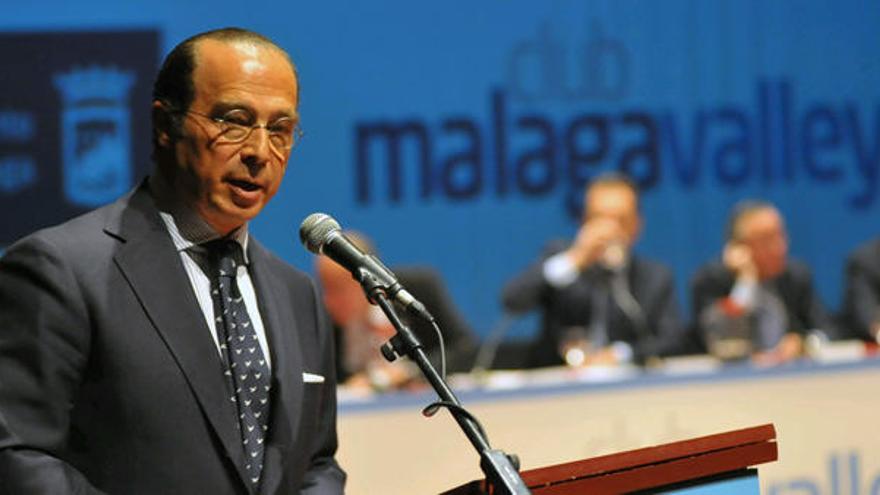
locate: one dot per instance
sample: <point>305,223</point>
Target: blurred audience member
<point>600,303</point>
<point>756,301</point>
<point>861,302</point>
<point>362,328</point>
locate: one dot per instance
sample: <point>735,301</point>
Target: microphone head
<point>314,231</point>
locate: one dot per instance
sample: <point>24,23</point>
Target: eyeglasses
<point>236,127</point>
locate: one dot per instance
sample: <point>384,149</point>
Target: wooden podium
<point>712,461</point>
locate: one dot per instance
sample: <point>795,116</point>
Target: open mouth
<point>245,185</point>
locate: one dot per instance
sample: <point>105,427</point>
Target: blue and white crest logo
<point>96,134</point>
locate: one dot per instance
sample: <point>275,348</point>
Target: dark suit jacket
<point>426,285</point>
<point>861,301</point>
<point>110,382</point>
<point>794,287</point>
<point>650,284</point>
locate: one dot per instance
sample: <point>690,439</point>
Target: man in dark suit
<point>861,302</point>
<point>600,303</point>
<point>152,346</point>
<point>755,297</point>
<point>362,328</point>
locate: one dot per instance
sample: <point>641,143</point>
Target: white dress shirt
<point>189,232</point>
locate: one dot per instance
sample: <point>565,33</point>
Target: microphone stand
<point>502,476</point>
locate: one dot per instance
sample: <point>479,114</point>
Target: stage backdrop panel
<point>460,134</point>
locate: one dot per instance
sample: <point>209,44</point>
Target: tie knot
<point>225,255</point>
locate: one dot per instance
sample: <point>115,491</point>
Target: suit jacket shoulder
<point>427,285</point>
<point>861,300</point>
<point>866,258</point>
<point>712,273</point>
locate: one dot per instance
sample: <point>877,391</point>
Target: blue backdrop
<point>460,134</point>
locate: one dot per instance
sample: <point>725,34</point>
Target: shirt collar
<point>187,229</point>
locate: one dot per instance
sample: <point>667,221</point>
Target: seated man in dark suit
<point>756,300</point>
<point>362,328</point>
<point>600,303</point>
<point>861,302</point>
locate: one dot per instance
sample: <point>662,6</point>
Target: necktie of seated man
<point>600,307</point>
<point>245,366</point>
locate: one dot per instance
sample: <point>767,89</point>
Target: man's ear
<point>164,129</point>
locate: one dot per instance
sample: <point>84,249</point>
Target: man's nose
<point>257,149</point>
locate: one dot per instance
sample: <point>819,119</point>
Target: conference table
<point>825,409</point>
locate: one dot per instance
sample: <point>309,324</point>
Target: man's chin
<point>225,220</point>
<point>773,272</point>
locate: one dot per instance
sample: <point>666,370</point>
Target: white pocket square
<point>312,378</point>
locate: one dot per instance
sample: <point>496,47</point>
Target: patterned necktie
<point>245,365</point>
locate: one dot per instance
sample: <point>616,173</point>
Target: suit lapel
<point>287,366</point>
<point>152,267</point>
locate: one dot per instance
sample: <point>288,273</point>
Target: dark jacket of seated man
<point>651,327</point>
<point>793,288</point>
<point>861,301</point>
<point>426,285</point>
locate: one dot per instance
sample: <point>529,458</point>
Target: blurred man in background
<point>600,303</point>
<point>756,301</point>
<point>861,301</point>
<point>362,328</point>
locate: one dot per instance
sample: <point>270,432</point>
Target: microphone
<point>321,234</point>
